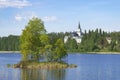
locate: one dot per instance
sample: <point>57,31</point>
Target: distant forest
<point>10,43</point>
<point>92,41</point>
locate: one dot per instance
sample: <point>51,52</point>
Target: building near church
<point>77,35</point>
<point>109,40</point>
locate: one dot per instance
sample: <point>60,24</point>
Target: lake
<point>90,67</point>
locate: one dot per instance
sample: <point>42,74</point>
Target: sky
<point>59,15</point>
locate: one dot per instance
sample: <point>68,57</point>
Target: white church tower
<point>79,30</point>
<point>77,35</point>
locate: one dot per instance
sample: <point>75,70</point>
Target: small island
<point>38,52</point>
<point>43,65</point>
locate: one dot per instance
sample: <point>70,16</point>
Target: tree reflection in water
<point>43,74</point>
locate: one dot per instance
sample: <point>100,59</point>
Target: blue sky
<point>59,15</point>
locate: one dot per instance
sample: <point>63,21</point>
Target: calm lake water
<point>90,67</point>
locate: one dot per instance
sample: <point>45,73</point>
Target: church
<point>77,35</point>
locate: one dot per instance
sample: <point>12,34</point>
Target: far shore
<point>95,52</point>
<point>103,52</point>
<point>9,51</point>
<point>70,52</point>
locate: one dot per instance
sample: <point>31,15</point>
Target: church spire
<point>79,27</point>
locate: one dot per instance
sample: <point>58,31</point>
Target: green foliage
<point>10,43</point>
<point>71,45</point>
<point>35,43</point>
<point>59,50</point>
<point>31,41</point>
<point>55,36</point>
<point>95,41</point>
<point>56,51</point>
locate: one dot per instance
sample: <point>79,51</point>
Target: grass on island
<point>43,65</point>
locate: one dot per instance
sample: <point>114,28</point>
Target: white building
<point>109,40</point>
<point>77,35</point>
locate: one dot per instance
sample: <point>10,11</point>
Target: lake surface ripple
<point>90,67</point>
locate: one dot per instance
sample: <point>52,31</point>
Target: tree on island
<point>34,43</point>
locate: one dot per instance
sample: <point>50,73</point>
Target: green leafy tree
<point>71,45</point>
<point>31,41</point>
<point>59,51</point>
<point>55,52</point>
<point>35,43</point>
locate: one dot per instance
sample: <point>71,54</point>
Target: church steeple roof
<point>79,27</point>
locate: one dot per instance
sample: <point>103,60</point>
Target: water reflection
<point>44,74</point>
<point>90,67</point>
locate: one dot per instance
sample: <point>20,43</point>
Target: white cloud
<point>49,18</point>
<point>18,18</point>
<point>25,16</point>
<point>14,3</point>
<point>30,14</point>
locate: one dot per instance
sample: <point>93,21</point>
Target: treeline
<point>10,43</point>
<point>96,41</point>
<point>92,41</point>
